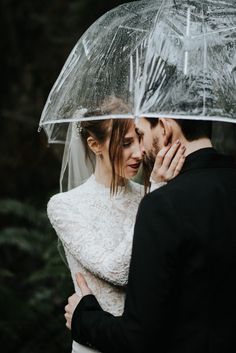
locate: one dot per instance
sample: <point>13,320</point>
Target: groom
<point>181,294</point>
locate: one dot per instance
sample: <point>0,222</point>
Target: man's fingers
<point>68,316</point>
<point>73,300</point>
<point>82,284</point>
<point>67,306</point>
<point>68,324</point>
<point>81,281</point>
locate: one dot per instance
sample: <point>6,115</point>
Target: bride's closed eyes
<point>127,142</point>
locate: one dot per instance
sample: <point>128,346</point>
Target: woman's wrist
<point>156,184</point>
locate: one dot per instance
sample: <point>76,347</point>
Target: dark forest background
<point>37,37</point>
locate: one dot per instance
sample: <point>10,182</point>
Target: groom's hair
<point>192,129</point>
<point>195,129</point>
<point>152,121</point>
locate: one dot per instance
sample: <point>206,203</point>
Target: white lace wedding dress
<point>96,230</point>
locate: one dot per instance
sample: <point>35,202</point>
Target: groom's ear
<point>166,130</point>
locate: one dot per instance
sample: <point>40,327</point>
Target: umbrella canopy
<point>162,58</point>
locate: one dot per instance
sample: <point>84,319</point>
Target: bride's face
<point>130,156</point>
<point>131,153</point>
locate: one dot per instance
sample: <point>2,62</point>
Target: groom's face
<point>151,140</point>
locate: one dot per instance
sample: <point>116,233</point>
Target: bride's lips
<point>134,166</point>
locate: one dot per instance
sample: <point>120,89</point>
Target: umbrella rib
<point>204,64</point>
<point>187,36</point>
<point>134,29</point>
<point>212,32</point>
<point>191,117</point>
<point>89,118</point>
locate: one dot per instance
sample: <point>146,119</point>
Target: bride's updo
<point>115,130</point>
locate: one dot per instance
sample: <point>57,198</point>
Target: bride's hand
<point>169,162</point>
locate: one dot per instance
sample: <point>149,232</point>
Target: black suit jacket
<point>181,295</point>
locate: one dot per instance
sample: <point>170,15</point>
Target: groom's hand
<point>83,286</point>
<point>74,300</point>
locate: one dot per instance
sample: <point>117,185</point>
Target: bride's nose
<point>137,152</point>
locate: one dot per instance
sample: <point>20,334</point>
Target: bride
<point>95,220</point>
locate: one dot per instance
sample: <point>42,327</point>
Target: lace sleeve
<point>111,265</point>
<point>115,266</point>
<point>156,185</point>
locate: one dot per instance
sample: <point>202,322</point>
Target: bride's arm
<point>110,265</point>
<point>114,267</point>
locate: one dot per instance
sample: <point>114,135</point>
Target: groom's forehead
<point>138,122</point>
<point>138,127</point>
<point>141,125</point>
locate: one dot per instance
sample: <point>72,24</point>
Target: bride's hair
<point>113,128</point>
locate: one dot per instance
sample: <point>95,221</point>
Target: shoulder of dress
<point>63,200</point>
<point>62,196</point>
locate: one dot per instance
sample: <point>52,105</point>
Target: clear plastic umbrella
<point>163,58</point>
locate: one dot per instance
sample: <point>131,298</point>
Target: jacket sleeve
<point>153,273</point>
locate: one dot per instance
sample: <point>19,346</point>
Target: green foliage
<point>35,283</point>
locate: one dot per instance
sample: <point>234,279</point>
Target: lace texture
<point>96,230</point>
